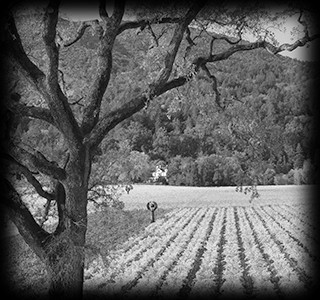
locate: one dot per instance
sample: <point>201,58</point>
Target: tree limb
<point>175,42</point>
<point>110,120</point>
<point>254,45</point>
<point>14,50</point>
<point>35,236</point>
<point>153,35</point>
<point>80,32</point>
<point>104,66</point>
<point>45,213</point>
<point>39,162</point>
<point>144,22</point>
<point>47,86</point>
<point>50,21</point>
<point>214,36</point>
<point>21,109</point>
<point>190,41</point>
<point>214,84</point>
<point>77,102</point>
<point>290,47</point>
<point>60,197</point>
<point>29,176</point>
<point>57,101</point>
<point>102,10</point>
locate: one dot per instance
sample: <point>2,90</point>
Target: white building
<point>160,172</point>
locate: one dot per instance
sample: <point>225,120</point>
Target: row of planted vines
<point>216,251</point>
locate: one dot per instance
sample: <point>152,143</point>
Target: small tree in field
<point>38,95</point>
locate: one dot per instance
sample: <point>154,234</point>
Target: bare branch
<point>303,23</point>
<point>228,40</point>
<point>214,36</point>
<point>49,37</point>
<point>80,32</point>
<point>113,118</point>
<point>57,101</point>
<point>102,10</point>
<point>118,10</point>
<point>35,236</point>
<point>77,102</point>
<point>214,84</point>
<point>174,83</point>
<point>144,22</point>
<point>39,162</point>
<point>47,86</point>
<point>188,37</point>
<point>175,43</point>
<point>45,213</point>
<point>20,109</point>
<point>104,65</point>
<point>190,42</point>
<point>291,47</point>
<point>29,176</point>
<point>153,35</point>
<point>110,120</point>
<point>254,45</point>
<point>14,50</point>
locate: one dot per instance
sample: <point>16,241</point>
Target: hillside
<point>264,133</point>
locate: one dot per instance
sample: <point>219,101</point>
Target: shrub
<point>281,179</point>
<point>268,176</point>
<point>307,172</point>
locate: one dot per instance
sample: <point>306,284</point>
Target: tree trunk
<point>65,268</point>
<point>61,251</point>
<point>65,251</point>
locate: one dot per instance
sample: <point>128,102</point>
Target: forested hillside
<point>261,131</point>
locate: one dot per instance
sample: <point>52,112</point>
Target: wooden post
<point>152,206</point>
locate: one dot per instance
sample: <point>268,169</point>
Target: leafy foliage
<point>264,130</point>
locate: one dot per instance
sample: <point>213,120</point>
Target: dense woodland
<point>261,131</point>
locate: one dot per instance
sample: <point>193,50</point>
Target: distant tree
<point>308,172</point>
<point>83,106</point>
<point>174,175</point>
<point>298,157</point>
<point>160,145</point>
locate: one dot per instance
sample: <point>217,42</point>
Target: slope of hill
<point>264,134</point>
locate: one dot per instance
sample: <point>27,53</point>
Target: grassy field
<point>182,196</point>
<point>189,221</point>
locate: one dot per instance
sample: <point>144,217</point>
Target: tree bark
<point>65,251</point>
<point>65,266</point>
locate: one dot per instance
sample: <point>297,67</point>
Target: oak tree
<point>172,60</point>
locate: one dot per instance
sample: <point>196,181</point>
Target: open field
<point>214,243</point>
<point>182,196</point>
<point>205,241</point>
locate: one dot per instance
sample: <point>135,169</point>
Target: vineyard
<point>248,251</point>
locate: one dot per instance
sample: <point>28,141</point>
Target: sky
<point>306,53</point>
<point>89,11</point>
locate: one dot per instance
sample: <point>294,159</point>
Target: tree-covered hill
<point>261,132</point>
<point>264,133</point>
